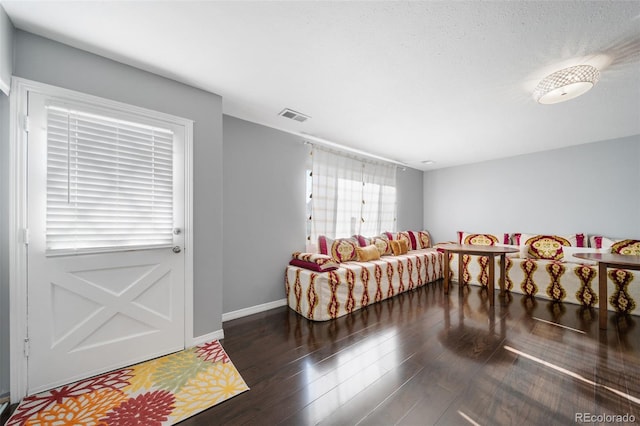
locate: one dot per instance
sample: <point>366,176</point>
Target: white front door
<point>101,297</point>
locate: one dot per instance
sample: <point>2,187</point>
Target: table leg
<point>503,273</point>
<point>602,294</point>
<point>492,279</point>
<point>460,272</point>
<point>446,272</point>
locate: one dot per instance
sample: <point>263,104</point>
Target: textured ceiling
<point>410,81</point>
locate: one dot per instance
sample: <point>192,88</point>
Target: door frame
<point>18,129</point>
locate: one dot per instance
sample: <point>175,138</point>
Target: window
<point>109,182</point>
<point>349,196</point>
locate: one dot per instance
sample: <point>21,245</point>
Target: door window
<point>109,182</point>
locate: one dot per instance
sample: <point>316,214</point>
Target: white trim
<point>96,101</point>
<point>253,310</point>
<point>17,248</point>
<point>18,216</point>
<point>216,335</point>
<point>188,235</point>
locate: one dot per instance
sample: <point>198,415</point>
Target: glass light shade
<point>566,84</point>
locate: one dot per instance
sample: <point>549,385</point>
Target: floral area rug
<point>162,391</point>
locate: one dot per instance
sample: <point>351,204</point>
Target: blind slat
<point>109,183</point>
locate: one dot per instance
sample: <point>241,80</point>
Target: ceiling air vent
<point>294,115</point>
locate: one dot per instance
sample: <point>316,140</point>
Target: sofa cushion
<point>620,246</point>
<point>482,239</point>
<point>547,247</point>
<point>380,241</point>
<point>409,237</point>
<point>368,253</point>
<point>362,240</point>
<point>424,240</point>
<point>416,239</point>
<point>627,247</point>
<point>313,261</point>
<point>600,242</point>
<point>340,249</point>
<point>399,247</point>
<point>383,245</point>
<point>575,240</point>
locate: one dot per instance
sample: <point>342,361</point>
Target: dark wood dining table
<point>480,250</point>
<point>608,260</point>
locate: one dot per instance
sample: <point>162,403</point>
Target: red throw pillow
<point>313,266</point>
<point>314,261</point>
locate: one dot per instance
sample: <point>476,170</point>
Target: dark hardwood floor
<point>423,358</point>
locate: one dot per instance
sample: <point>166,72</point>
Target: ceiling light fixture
<point>566,84</point>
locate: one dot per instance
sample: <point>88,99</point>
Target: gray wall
<point>4,245</point>
<point>264,209</point>
<point>592,188</point>
<point>6,51</point>
<point>46,61</point>
<point>410,212</point>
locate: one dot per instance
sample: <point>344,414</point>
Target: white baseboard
<point>216,335</point>
<point>219,334</point>
<point>253,310</point>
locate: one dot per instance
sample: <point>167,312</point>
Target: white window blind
<point>109,183</point>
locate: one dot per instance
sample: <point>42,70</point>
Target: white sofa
<point>353,285</point>
<point>564,279</point>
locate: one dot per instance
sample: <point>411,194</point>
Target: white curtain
<point>350,196</point>
<point>379,199</point>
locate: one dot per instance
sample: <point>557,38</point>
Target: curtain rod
<point>325,143</point>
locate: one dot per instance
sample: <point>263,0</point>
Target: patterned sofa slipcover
<point>567,280</point>
<point>322,296</point>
